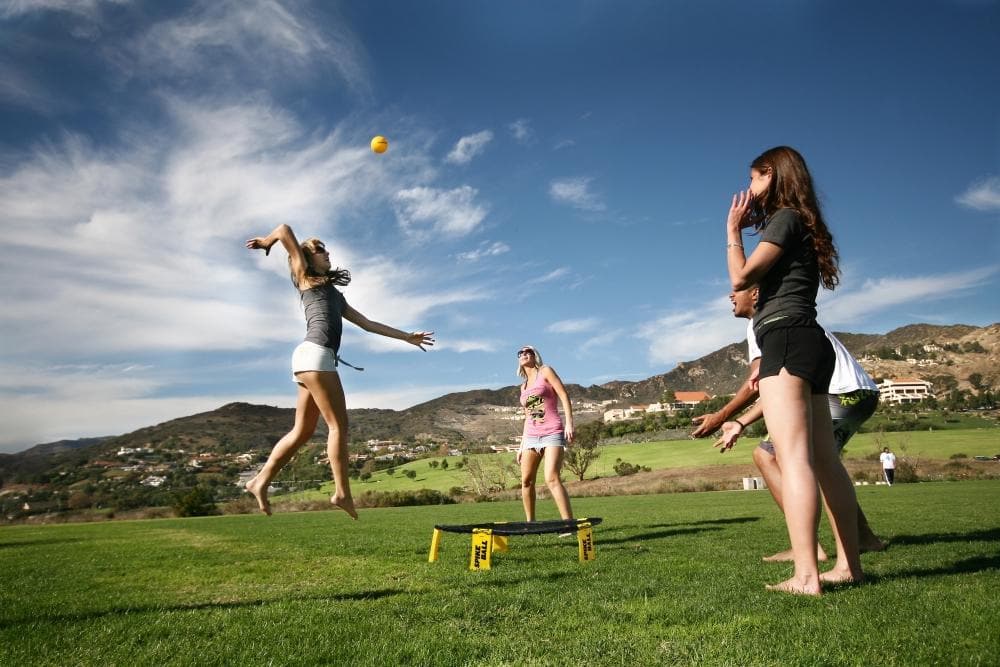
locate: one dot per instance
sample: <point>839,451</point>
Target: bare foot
<point>259,492</point>
<point>345,503</point>
<point>836,576</point>
<point>796,587</point>
<point>871,544</point>
<point>786,556</point>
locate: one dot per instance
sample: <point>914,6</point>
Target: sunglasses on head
<point>319,248</point>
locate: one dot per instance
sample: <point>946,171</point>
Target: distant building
<point>904,390</point>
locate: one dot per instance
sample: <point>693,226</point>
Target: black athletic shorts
<point>803,351</point>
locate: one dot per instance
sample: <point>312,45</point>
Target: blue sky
<point>558,174</point>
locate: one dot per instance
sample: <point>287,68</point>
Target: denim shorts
<point>543,441</point>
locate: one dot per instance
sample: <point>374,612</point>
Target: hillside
<point>485,415</point>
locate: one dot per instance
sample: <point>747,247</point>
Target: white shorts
<point>309,356</point>
<point>540,442</point>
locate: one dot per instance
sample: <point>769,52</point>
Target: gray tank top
<point>324,308</point>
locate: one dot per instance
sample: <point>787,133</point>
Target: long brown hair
<point>792,187</point>
<point>338,276</point>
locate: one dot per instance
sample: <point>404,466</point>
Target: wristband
<point>742,425</point>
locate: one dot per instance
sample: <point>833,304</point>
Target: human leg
<point>786,400</point>
<point>306,417</point>
<point>766,462</point>
<point>838,494</point>
<point>530,459</point>
<point>553,466</point>
<point>328,394</point>
<point>849,412</point>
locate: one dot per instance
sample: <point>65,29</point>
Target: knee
<point>527,482</point>
<point>553,480</point>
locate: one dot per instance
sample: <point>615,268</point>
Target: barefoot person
<point>853,399</point>
<point>545,436</point>
<point>315,362</point>
<point>795,254</point>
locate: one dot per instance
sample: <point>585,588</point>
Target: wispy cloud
<point>231,34</point>
<point>468,345</point>
<point>983,195</point>
<point>689,334</point>
<point>573,326</point>
<point>564,143</point>
<point>848,306</point>
<point>469,147</point>
<point>449,212</point>
<point>555,274</point>
<point>485,249</point>
<point>12,8</point>
<point>602,340</point>
<point>521,130</point>
<point>576,192</point>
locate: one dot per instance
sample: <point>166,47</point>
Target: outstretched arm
<point>747,394</point>
<point>418,338</point>
<point>557,385</point>
<point>286,236</point>
<point>732,430</point>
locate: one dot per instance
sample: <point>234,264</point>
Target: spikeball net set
<point>490,537</point>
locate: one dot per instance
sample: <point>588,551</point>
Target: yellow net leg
<point>435,543</point>
<point>500,543</point>
<point>585,542</point>
<point>482,549</point>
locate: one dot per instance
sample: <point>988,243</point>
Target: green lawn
<point>686,453</point>
<point>678,580</point>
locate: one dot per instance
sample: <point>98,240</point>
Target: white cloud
<point>564,143</point>
<point>602,340</point>
<point>573,326</point>
<point>233,34</point>
<point>447,212</point>
<point>13,8</point>
<point>847,306</point>
<point>983,195</point>
<point>576,192</point>
<point>460,345</point>
<point>521,130</point>
<point>685,335</point>
<point>554,274</point>
<point>485,249</point>
<point>469,147</point>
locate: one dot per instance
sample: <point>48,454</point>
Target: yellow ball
<point>379,144</point>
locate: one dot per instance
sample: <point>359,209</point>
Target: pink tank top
<point>543,414</point>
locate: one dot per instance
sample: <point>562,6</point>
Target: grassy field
<point>678,580</point>
<point>689,453</point>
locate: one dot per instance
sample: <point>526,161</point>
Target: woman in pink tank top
<point>545,434</point>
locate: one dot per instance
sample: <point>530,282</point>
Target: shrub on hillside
<point>624,468</point>
<point>403,498</point>
<point>199,501</point>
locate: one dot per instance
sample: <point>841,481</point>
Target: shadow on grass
<point>986,535</point>
<point>965,566</point>
<point>672,530</point>
<point>159,609</point>
<point>31,543</point>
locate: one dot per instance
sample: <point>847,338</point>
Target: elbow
<point>740,283</point>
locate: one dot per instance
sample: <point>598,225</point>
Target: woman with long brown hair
<point>795,254</point>
<point>315,361</point>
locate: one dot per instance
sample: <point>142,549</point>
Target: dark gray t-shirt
<point>788,290</point>
<point>324,307</point>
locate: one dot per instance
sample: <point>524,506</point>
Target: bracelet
<point>742,425</point>
<point>734,245</point>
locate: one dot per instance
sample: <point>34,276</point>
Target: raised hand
<point>261,243</point>
<point>730,434</point>
<point>420,338</point>
<point>739,211</point>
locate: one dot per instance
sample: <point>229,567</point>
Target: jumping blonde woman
<point>315,362</point>
<point>545,435</point>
